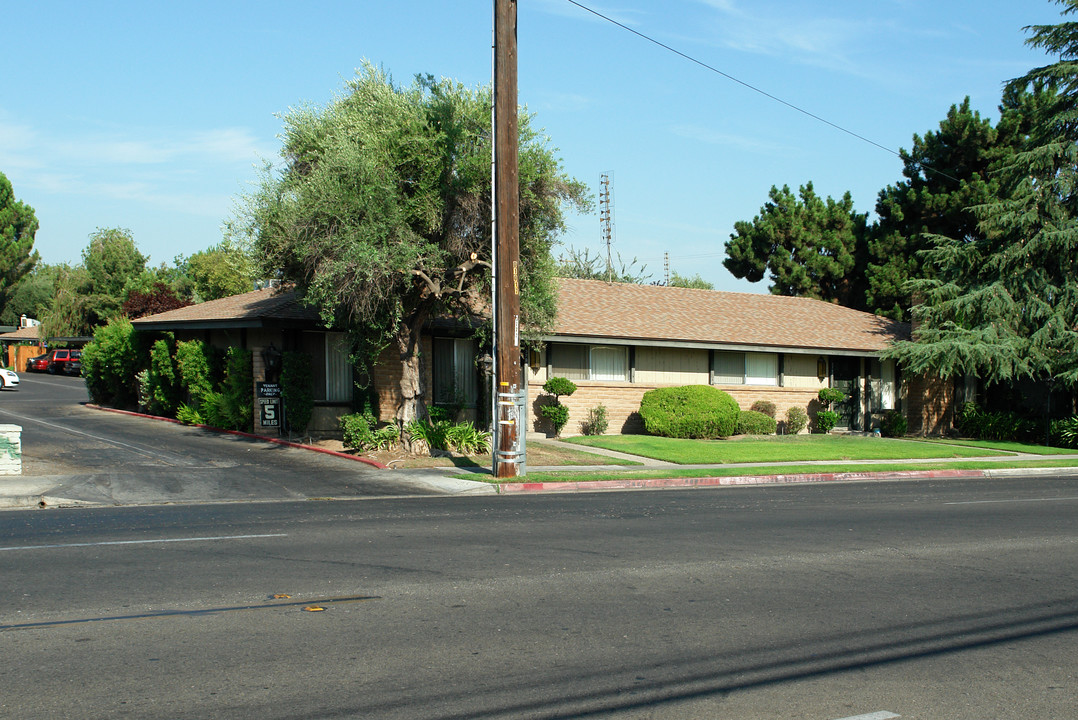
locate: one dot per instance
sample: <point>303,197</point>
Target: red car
<point>39,363</point>
<point>62,359</point>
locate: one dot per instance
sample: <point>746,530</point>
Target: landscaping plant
<point>555,412</point>
<point>689,411</point>
<point>296,381</point>
<point>596,423</point>
<point>893,425</point>
<point>752,422</point>
<point>826,419</point>
<point>796,420</point>
<point>764,406</point>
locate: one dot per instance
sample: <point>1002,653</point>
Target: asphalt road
<point>95,456</point>
<point>923,599</point>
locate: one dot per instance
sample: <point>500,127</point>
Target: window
<point>589,362</point>
<point>455,372</point>
<point>746,368</point>
<point>729,368</point>
<point>882,385</point>
<point>761,369</point>
<point>338,368</point>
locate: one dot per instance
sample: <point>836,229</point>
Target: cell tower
<point>606,222</point>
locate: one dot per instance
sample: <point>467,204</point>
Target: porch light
<point>821,367</point>
<point>271,357</point>
<point>486,364</point>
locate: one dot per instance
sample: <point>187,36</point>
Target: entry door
<point>845,376</point>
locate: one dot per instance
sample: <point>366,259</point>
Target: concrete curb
<point>742,480</point>
<point>252,436</point>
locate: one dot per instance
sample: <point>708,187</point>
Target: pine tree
<point>18,225</point>
<point>1004,304</point>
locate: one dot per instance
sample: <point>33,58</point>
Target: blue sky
<point>155,116</point>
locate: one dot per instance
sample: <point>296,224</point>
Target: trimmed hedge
<point>753,422</point>
<point>689,411</point>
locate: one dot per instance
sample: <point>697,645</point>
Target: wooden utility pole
<point>509,417</point>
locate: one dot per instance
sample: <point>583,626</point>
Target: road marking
<point>1015,500</point>
<point>73,431</point>
<point>881,715</point>
<point>144,542</point>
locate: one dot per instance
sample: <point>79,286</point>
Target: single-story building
<point>268,322</point>
<point>616,341</point>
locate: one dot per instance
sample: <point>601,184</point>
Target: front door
<point>845,376</point>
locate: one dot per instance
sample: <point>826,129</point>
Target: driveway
<point>75,454</point>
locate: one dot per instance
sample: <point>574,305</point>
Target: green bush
<point>188,415</point>
<point>296,384</point>
<point>796,420</point>
<point>975,422</point>
<point>356,431</point>
<point>764,406</point>
<point>110,363</point>
<point>467,440</point>
<point>556,413</point>
<point>558,386</point>
<point>385,438</point>
<point>433,433</point>
<point>893,425</point>
<point>596,423</point>
<point>826,420</point>
<point>1065,432</point>
<point>214,410</point>
<point>161,386</point>
<point>194,369</point>
<point>753,422</point>
<point>689,411</point>
<point>238,390</point>
<point>830,395</point>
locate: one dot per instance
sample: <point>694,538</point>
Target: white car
<point>9,378</point>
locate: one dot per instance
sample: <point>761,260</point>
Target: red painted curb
<point>276,441</point>
<point>654,483</point>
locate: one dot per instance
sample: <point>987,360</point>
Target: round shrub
<point>689,411</point>
<point>796,420</point>
<point>751,422</point>
<point>894,424</point>
<point>764,406</point>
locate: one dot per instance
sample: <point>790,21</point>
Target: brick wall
<point>929,405</point>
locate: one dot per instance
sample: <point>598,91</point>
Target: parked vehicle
<point>9,378</point>
<point>61,359</point>
<point>74,367</point>
<point>39,363</point>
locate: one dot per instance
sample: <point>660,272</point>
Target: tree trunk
<point>413,391</point>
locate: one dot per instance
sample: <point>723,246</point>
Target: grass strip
<point>1004,445</point>
<point>590,476</point>
<point>784,448</point>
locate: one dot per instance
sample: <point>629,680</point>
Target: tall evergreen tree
<point>947,173</point>
<point>18,225</point>
<point>1004,304</point>
<point>808,245</point>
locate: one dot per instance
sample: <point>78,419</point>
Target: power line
<point>755,89</point>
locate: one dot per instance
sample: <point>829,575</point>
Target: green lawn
<point>591,476</point>
<point>785,448</point>
<point>1005,446</point>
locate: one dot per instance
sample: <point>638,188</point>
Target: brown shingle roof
<point>269,306</point>
<point>596,309</point>
<point>30,332</point>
